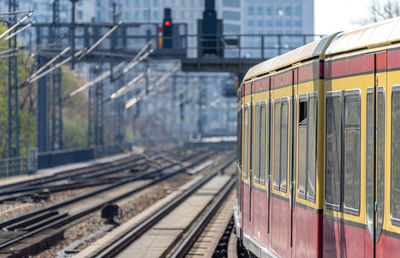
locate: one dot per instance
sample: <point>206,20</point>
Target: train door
<point>269,155</point>
<point>247,164</point>
<point>375,157</point>
<point>292,151</point>
<point>280,227</point>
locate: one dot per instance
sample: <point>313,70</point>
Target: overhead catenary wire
<point>49,63</point>
<point>141,51</point>
<point>126,88</point>
<point>58,65</point>
<point>137,59</point>
<point>100,40</point>
<point>97,80</point>
<point>15,13</point>
<point>153,90</point>
<point>18,31</point>
<point>16,25</point>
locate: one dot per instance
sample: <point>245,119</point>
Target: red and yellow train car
<point>313,178</point>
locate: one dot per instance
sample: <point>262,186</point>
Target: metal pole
<point>72,31</point>
<point>13,117</point>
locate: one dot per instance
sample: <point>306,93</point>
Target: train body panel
<point>320,148</point>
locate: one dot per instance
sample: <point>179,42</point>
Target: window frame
<point>266,141</point>
<point>395,220</point>
<point>276,177</point>
<point>256,138</point>
<point>369,213</point>
<point>302,98</point>
<point>283,188</point>
<point>353,94</point>
<point>246,141</point>
<point>312,95</point>
<point>328,205</point>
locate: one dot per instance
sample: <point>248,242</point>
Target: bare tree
<point>379,11</point>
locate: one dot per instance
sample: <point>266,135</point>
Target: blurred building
<point>205,110</point>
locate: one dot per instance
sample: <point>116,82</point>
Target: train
<point>318,150</point>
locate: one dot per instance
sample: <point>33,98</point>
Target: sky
<point>339,15</point>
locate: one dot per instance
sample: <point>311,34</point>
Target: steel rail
<point>136,232</point>
<point>77,172</point>
<point>184,247</point>
<point>68,219</point>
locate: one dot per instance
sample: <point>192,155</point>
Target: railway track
<point>136,237</point>
<point>52,219</point>
<point>39,189</point>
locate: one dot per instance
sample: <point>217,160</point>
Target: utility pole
<point>98,110</point>
<point>56,98</point>
<point>118,104</point>
<point>72,32</point>
<point>13,117</point>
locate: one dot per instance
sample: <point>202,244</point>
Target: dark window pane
<point>381,160</point>
<point>312,147</point>
<point>352,122</point>
<point>284,146</point>
<point>292,137</point>
<point>257,144</point>
<point>302,160</point>
<point>263,143</point>
<point>246,141</point>
<point>332,169</point>
<point>395,181</point>
<point>239,137</point>
<point>277,144</point>
<point>370,164</point>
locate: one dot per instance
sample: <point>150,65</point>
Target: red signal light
<point>167,23</point>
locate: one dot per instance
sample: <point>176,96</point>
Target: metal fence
<point>13,166</point>
<point>34,160</point>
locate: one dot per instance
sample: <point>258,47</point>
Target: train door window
<point>333,151</point>
<point>293,134</point>
<point>251,140</point>
<point>277,143</point>
<point>351,149</point>
<point>395,162</point>
<point>370,157</point>
<point>263,143</point>
<point>269,141</point>
<point>256,143</point>
<point>239,138</point>
<point>302,163</point>
<point>284,145</point>
<point>246,141</point>
<point>312,145</point>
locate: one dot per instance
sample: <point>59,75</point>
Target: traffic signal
<point>167,28</point>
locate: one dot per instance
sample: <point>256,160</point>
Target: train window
<point>333,151</point>
<point>312,147</point>
<point>246,141</point>
<point>352,157</point>
<point>302,163</point>
<point>251,141</point>
<point>395,171</point>
<point>284,146</point>
<point>256,143</point>
<point>239,138</point>
<point>370,158</point>
<point>293,137</point>
<point>381,158</point>
<point>263,143</point>
<point>370,163</point>
<point>277,144</point>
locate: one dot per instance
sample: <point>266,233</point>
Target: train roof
<point>297,55</point>
<point>373,35</point>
